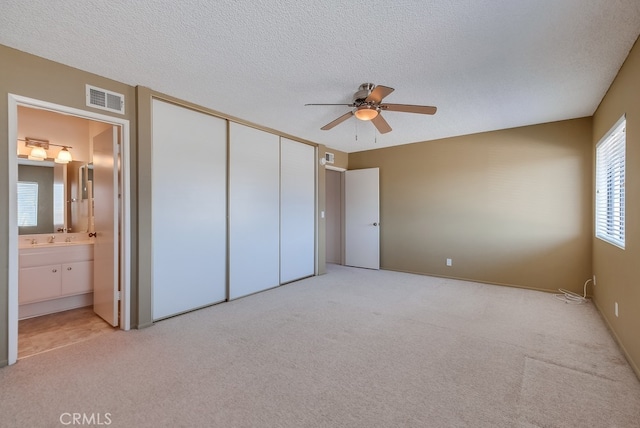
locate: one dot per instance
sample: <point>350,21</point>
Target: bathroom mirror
<point>53,198</point>
<point>41,197</point>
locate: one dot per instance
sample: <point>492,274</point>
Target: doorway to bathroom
<point>68,268</point>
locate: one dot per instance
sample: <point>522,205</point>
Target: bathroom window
<point>27,204</point>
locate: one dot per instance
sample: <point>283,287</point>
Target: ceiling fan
<point>367,104</point>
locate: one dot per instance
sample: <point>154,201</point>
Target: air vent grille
<point>329,157</point>
<point>105,100</point>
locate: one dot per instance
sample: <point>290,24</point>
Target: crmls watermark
<point>94,419</point>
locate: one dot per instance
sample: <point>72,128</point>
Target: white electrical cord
<point>571,297</point>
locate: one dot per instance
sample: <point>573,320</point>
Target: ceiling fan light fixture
<point>366,112</point>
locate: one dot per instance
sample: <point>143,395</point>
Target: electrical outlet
<point>616,308</point>
<point>594,279</point>
<point>449,262</point>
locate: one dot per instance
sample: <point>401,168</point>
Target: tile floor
<point>47,332</point>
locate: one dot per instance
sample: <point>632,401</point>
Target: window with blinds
<point>27,204</point>
<point>610,181</point>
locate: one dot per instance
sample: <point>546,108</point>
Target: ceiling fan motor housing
<point>363,92</point>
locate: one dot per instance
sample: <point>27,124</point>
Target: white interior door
<point>105,250</point>
<point>362,218</point>
<point>297,210</point>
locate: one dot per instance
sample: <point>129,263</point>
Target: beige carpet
<point>353,348</point>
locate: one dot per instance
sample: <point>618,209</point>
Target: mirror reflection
<point>53,197</point>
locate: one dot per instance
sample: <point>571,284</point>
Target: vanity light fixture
<point>63,156</point>
<point>37,153</point>
<point>366,112</point>
<point>39,150</point>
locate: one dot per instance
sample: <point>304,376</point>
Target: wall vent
<point>329,158</point>
<point>105,100</point>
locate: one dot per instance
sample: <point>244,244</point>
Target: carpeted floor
<point>353,348</point>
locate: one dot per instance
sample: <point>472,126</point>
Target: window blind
<point>27,204</point>
<point>610,184</point>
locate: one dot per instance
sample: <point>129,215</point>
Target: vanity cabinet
<point>51,273</point>
<point>77,278</point>
<point>39,283</point>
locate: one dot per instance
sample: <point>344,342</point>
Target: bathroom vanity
<point>55,274</point>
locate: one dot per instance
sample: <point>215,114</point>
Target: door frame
<point>125,210</point>
<point>341,171</point>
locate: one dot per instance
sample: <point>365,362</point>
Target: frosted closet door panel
<point>297,210</point>
<point>254,211</point>
<point>188,209</point>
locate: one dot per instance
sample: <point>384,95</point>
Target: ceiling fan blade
<point>348,105</point>
<point>407,108</point>
<point>337,121</point>
<point>381,124</point>
<point>378,93</point>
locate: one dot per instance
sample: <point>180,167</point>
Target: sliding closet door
<point>254,210</point>
<point>188,209</point>
<point>297,210</point>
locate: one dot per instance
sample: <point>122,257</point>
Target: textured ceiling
<point>486,64</point>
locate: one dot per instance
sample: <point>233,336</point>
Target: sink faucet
<point>52,239</point>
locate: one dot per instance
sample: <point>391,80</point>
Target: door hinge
<point>117,295</point>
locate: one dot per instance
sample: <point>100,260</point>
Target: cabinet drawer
<point>39,283</point>
<point>77,278</point>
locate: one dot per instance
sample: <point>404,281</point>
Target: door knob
<point>375,224</point>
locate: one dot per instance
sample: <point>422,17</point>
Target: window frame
<point>610,180</point>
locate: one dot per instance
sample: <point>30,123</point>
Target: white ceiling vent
<point>105,100</point>
<point>329,158</point>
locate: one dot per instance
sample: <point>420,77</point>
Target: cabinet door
<point>77,278</point>
<point>39,283</point>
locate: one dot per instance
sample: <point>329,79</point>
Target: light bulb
<point>366,112</point>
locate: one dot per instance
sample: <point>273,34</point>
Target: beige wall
<point>34,77</point>
<point>508,207</point>
<point>340,159</point>
<point>618,271</point>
